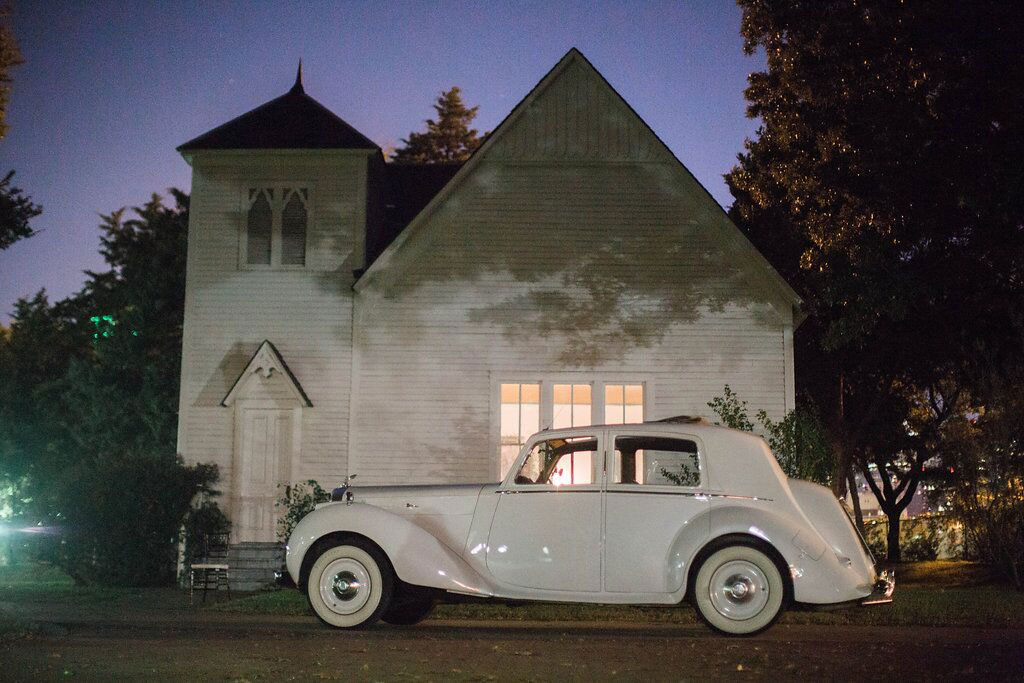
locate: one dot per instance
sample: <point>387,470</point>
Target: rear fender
<point>816,574</point>
<point>417,557</point>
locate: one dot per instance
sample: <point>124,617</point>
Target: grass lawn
<point>939,593</point>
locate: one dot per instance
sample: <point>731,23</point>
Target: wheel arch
<point>330,540</point>
<point>749,540</point>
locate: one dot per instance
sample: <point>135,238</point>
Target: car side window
<point>560,462</point>
<point>655,461</point>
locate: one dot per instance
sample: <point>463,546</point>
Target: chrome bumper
<point>882,592</point>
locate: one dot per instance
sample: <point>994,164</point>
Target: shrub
<point>297,501</point>
<point>798,440</point>
<point>203,520</point>
<point>122,518</point>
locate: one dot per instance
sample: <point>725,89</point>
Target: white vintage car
<point>644,514</point>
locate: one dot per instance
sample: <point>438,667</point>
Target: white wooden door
<point>264,445</point>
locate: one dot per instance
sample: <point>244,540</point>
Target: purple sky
<point>109,89</point>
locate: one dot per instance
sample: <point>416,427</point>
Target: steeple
<point>297,88</point>
<point>292,121</point>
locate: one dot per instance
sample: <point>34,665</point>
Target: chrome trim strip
<point>688,494</point>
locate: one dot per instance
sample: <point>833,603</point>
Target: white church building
<point>416,323</point>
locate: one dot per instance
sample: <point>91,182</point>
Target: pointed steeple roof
<point>292,121</point>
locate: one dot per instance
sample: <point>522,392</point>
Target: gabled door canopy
<point>266,361</point>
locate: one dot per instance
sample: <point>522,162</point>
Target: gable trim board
<point>375,270</point>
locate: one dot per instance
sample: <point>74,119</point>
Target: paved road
<point>183,644</point>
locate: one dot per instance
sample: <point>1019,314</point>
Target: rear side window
<point>655,461</point>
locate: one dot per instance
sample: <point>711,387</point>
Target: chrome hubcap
<point>345,585</point>
<point>739,590</point>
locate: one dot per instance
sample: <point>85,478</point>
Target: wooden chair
<point>210,569</point>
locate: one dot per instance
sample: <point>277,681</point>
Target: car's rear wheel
<point>739,590</point>
<point>350,584</point>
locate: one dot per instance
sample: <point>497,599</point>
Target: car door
<point>546,529</point>
<point>653,509</point>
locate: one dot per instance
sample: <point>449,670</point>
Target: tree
<point>10,56</point>
<point>448,139</point>
<point>884,183</point>
<point>88,415</point>
<point>797,440</point>
<point>16,209</point>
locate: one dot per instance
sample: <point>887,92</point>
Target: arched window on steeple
<point>293,227</point>
<point>259,228</point>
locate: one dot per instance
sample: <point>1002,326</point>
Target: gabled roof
<point>292,121</point>
<point>266,361</point>
<point>572,56</point>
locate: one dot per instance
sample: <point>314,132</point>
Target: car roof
<point>695,426</point>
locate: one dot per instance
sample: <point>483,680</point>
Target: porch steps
<point>253,565</point>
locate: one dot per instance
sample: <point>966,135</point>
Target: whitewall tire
<point>739,590</point>
<point>350,585</point>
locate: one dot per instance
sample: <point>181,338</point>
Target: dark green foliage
<point>203,521</point>
<point>447,139</point>
<point>981,481</point>
<point>16,210</point>
<point>297,501</point>
<point>885,184</point>
<point>798,440</point>
<point>88,422</point>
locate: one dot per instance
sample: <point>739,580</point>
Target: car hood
<point>440,499</point>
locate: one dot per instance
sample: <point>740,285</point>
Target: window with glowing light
<point>572,405</point>
<point>520,419</point>
<point>623,404</point>
<point>560,462</point>
<point>655,461</point>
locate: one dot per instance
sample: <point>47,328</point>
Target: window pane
<point>520,419</point>
<point>655,461</point>
<point>623,403</point>
<point>258,230</point>
<point>510,393</point>
<point>530,421</point>
<point>572,406</point>
<point>562,416</point>
<point>293,232</point>
<point>560,462</point>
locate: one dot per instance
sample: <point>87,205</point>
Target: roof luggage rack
<point>682,420</point>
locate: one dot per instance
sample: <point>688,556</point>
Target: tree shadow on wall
<point>600,260</point>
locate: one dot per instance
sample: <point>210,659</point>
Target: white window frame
<point>276,207</point>
<point>547,381</point>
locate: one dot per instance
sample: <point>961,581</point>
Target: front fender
<point>416,556</point>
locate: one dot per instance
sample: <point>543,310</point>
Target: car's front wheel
<point>350,584</point>
<point>739,590</point>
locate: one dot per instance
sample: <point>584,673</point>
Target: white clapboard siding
<point>573,248</point>
<point>305,312</point>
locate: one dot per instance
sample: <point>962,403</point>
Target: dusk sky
<point>109,89</point>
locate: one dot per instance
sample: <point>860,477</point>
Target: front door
<point>654,507</point>
<point>264,444</point>
<point>546,531</point>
